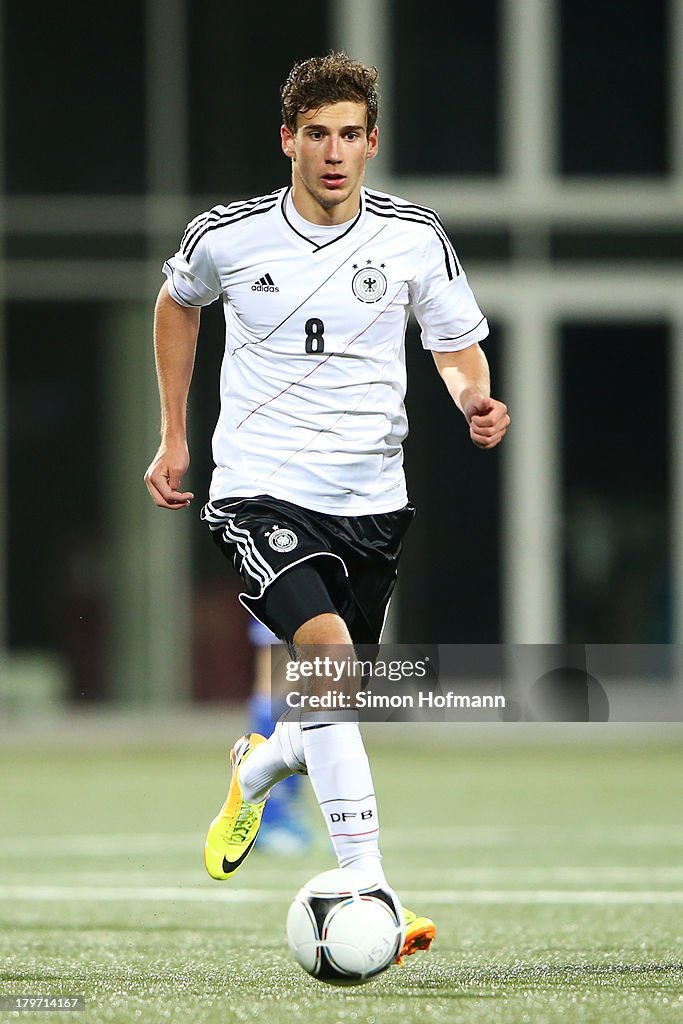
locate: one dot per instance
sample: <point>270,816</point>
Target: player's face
<point>329,151</point>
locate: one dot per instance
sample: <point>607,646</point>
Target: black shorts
<point>297,563</point>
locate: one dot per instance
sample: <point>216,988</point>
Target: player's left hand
<point>488,419</point>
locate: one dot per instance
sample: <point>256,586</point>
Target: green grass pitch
<point>554,872</point>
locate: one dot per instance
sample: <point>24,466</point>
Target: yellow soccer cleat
<point>420,933</point>
<point>233,831</point>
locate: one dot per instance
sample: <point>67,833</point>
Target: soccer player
<point>308,498</point>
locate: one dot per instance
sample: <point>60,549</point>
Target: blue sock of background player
<point>284,828</point>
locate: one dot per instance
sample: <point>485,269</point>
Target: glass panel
<point>450,573</point>
<point>614,102</point>
<point>615,461</point>
<point>446,87</point>
<point>75,108</point>
<point>57,556</point>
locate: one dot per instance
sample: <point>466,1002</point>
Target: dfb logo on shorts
<point>282,540</point>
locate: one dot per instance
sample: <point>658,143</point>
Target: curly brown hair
<point>334,78</point>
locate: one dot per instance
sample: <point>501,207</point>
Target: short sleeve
<point>191,274</point>
<point>442,299</point>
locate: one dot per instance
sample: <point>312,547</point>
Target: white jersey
<point>313,378</point>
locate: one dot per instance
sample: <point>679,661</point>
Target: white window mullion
<point>150,648</point>
<point>530,504</point>
<point>529,101</point>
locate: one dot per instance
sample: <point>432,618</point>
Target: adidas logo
<point>264,284</point>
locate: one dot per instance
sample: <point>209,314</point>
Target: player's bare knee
<point>322,630</point>
<point>322,642</point>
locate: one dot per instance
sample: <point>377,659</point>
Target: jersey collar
<point>316,247</point>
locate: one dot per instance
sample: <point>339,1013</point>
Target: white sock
<point>279,757</point>
<point>264,767</point>
<point>340,774</point>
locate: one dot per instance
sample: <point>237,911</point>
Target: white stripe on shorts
<point>252,561</point>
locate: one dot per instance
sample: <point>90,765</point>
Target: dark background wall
<point>75,122</point>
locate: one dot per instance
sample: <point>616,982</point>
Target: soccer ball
<point>344,927</point>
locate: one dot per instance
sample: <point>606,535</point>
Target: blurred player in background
<point>284,828</point>
<point>308,498</point>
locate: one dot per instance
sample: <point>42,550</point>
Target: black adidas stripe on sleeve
<point>220,217</point>
<point>380,205</point>
<point>394,211</point>
<point>215,214</point>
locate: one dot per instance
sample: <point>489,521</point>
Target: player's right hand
<point>164,475</point>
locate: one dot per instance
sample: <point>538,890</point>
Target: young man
<point>308,497</point>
